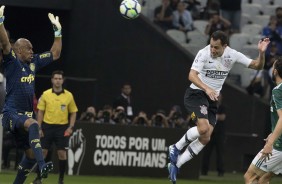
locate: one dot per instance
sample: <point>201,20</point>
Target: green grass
<point>7,177</point>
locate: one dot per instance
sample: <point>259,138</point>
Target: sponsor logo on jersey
<point>45,55</point>
<point>216,74</point>
<point>28,79</point>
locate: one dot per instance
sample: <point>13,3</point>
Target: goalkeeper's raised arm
<point>6,46</point>
<point>57,44</point>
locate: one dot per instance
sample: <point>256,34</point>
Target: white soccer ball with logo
<point>130,9</point>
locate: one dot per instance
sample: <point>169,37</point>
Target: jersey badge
<point>203,109</point>
<point>227,63</point>
<point>32,66</point>
<point>63,107</point>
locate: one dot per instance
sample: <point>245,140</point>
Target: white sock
<point>196,146</point>
<point>192,134</point>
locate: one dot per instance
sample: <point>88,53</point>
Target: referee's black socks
<point>62,169</point>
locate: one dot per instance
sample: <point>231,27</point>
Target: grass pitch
<point>7,177</point>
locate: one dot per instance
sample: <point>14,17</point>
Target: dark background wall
<point>103,50</point>
<point>114,50</point>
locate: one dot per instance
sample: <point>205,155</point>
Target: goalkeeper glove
<point>56,25</point>
<point>2,14</point>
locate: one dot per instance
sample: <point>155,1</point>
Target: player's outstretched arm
<point>258,64</point>
<point>3,34</point>
<point>57,44</point>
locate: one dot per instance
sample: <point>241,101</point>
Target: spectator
<point>256,85</point>
<point>231,10</point>
<point>216,23</point>
<point>278,13</point>
<point>119,116</point>
<point>182,18</point>
<point>159,119</point>
<point>141,119</point>
<point>212,7</point>
<point>163,15</point>
<point>175,119</point>
<point>274,32</point>
<point>173,4</point>
<point>106,115</point>
<point>125,100</point>
<point>193,6</point>
<point>89,114</point>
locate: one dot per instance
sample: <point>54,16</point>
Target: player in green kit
<point>268,162</point>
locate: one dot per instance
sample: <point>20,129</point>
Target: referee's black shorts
<point>54,134</point>
<point>197,101</point>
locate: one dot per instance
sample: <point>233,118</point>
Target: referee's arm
<point>40,115</point>
<point>72,119</point>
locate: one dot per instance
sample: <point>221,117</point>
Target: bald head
<point>21,42</point>
<point>23,49</point>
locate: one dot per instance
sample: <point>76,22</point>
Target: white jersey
<point>213,71</point>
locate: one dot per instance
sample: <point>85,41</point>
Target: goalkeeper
<point>20,65</point>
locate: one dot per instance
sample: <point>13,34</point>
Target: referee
<point>56,119</point>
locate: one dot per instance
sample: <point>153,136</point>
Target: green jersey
<point>276,104</point>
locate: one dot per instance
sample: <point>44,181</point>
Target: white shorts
<point>273,164</point>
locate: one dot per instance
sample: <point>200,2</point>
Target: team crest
<point>203,109</point>
<point>63,107</point>
<point>32,66</point>
<point>227,63</point>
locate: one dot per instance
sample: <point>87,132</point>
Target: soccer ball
<point>130,9</point>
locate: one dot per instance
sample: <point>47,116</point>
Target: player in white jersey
<point>207,75</point>
<point>268,161</point>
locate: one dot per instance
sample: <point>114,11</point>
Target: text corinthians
<point>130,151</point>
